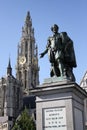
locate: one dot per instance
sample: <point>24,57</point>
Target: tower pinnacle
<point>9,69</point>
<point>28,21</point>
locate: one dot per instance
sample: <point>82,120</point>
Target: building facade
<point>83,84</point>
<point>14,91</point>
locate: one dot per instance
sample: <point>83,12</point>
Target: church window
<point>26,47</point>
<point>83,83</point>
<point>26,57</point>
<point>31,51</point>
<point>20,75</point>
<point>25,78</point>
<point>26,50</point>
<point>18,91</point>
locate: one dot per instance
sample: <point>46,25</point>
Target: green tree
<point>25,122</point>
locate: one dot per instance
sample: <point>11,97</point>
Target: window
<point>26,46</point>
<point>25,78</point>
<point>86,81</point>
<point>20,76</point>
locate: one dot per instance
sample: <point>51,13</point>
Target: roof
<point>83,78</point>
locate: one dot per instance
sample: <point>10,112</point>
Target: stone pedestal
<point>60,106</point>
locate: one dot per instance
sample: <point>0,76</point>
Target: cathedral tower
<point>27,70</point>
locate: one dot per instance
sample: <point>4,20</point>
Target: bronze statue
<point>61,54</point>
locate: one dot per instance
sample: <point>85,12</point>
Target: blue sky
<point>70,15</point>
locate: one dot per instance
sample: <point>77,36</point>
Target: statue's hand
<point>41,55</point>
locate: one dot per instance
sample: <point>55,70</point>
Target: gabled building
<point>83,84</point>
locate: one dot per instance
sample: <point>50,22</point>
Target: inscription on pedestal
<point>54,119</point>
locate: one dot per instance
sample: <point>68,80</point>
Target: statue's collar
<point>56,34</point>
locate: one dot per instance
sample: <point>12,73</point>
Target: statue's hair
<point>55,25</point>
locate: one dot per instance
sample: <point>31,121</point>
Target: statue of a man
<point>61,54</point>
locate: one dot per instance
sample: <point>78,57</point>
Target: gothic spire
<point>9,69</point>
<point>28,16</point>
<point>27,72</point>
<point>27,29</point>
<point>28,21</point>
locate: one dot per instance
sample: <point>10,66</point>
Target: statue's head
<point>54,28</point>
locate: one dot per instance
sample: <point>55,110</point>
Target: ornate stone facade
<point>27,59</point>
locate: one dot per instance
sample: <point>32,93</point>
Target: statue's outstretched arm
<point>43,53</point>
<point>47,47</point>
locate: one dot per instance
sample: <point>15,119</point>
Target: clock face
<point>22,60</point>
